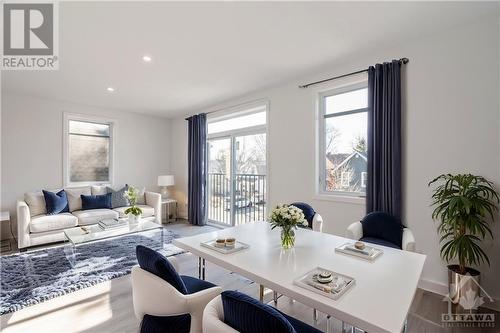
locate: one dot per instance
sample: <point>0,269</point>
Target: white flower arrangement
<point>287,217</point>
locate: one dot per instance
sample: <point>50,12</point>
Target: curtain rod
<point>255,101</point>
<point>403,61</point>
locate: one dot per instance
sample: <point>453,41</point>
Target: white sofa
<point>35,227</point>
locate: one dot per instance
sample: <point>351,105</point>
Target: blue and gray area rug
<point>33,277</point>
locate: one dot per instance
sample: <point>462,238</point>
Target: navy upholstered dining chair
<point>165,301</point>
<point>314,220</point>
<point>382,229</point>
<point>234,311</point>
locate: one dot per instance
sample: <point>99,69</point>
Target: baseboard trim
<point>442,289</point>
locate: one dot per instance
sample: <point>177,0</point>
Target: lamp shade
<point>167,180</point>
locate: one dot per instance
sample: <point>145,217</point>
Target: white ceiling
<point>205,53</point>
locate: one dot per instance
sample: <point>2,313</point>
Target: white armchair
<point>154,296</point>
<point>317,220</point>
<point>355,231</point>
<point>317,223</point>
<point>213,318</point>
<point>247,312</point>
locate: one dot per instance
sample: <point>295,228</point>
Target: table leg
<point>315,316</point>
<point>69,251</point>
<point>261,294</point>
<point>168,213</point>
<point>201,268</point>
<point>162,238</point>
<point>275,298</point>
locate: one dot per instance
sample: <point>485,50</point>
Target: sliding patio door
<point>237,169</point>
<point>219,180</point>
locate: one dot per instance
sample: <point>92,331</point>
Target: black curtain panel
<point>383,191</point>
<point>197,153</point>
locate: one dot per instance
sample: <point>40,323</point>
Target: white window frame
<point>66,163</point>
<point>345,178</point>
<point>321,192</point>
<point>364,178</point>
<point>233,112</point>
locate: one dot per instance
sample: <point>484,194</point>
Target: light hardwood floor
<point>107,307</point>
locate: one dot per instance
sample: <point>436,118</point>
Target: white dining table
<point>378,301</point>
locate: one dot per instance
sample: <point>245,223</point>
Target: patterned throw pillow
<point>118,197</point>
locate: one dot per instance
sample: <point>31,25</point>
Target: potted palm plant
<point>464,206</point>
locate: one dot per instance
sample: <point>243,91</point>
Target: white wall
<point>32,136</point>
<point>451,124</point>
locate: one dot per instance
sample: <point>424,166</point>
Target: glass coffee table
<point>94,233</point>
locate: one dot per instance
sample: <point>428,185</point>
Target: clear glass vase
<point>287,238</point>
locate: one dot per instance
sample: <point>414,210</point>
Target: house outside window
<point>343,119</point>
<point>364,178</point>
<point>345,178</point>
<point>88,150</point>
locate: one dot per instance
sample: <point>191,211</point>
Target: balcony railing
<point>249,202</point>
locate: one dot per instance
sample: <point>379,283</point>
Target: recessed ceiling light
<point>146,58</point>
<point>110,89</point>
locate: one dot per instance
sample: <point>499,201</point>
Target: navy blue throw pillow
<point>96,201</point>
<point>155,263</point>
<point>383,226</point>
<point>247,315</point>
<point>56,202</point>
<point>307,210</point>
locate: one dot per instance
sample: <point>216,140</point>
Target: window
<point>345,178</point>
<point>88,151</point>
<point>343,140</point>
<point>237,165</point>
<point>251,118</point>
<point>364,177</point>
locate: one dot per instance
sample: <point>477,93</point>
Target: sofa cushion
<point>118,198</point>
<point>74,197</point>
<point>98,189</point>
<point>96,201</point>
<point>93,216</point>
<point>56,203</point>
<point>147,211</point>
<point>36,203</point>
<point>43,223</point>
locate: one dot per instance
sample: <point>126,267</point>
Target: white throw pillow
<point>36,203</point>
<point>99,189</point>
<point>74,199</point>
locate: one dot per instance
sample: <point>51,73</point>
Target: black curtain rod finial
<point>404,61</point>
